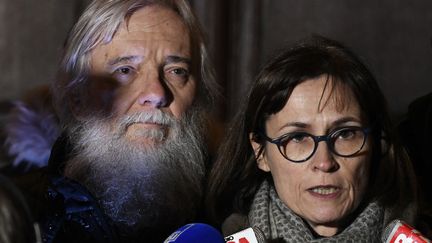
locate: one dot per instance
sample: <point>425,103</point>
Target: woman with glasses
<point>311,155</point>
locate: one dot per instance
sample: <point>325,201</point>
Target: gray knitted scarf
<point>277,221</point>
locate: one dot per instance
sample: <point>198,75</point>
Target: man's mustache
<point>154,116</point>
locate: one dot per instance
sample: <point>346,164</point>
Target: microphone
<point>249,235</point>
<point>400,232</point>
<point>195,233</point>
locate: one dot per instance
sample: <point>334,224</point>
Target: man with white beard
<point>133,87</point>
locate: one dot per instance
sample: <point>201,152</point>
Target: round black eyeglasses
<point>300,146</point>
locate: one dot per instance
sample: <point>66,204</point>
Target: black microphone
<point>195,233</point>
<point>400,232</point>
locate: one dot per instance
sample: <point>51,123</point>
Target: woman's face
<point>325,189</point>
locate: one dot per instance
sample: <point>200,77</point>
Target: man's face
<point>146,151</point>
<point>149,58</point>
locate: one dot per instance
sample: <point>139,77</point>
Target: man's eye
<point>123,70</point>
<point>177,75</point>
<point>180,71</point>
<point>123,74</point>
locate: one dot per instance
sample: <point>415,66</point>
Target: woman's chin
<point>325,221</point>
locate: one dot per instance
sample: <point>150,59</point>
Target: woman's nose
<point>323,159</point>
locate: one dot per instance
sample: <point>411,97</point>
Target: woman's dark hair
<point>235,177</point>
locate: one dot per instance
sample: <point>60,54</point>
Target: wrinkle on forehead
<point>149,26</point>
<point>154,20</point>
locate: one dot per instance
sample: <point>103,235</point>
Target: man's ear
<point>75,104</point>
<point>259,153</point>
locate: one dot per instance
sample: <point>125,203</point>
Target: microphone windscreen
<point>195,233</point>
<point>399,231</point>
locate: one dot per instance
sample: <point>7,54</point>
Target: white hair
<point>141,186</point>
<point>97,25</point>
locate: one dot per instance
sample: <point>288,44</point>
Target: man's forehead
<point>150,29</point>
<point>153,18</point>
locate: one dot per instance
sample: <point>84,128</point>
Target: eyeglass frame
<point>317,139</point>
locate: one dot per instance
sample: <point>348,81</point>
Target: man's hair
<point>97,25</point>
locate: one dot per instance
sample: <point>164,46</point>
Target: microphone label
<point>244,236</point>
<point>174,236</point>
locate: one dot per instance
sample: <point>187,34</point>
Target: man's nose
<point>323,159</point>
<point>154,92</point>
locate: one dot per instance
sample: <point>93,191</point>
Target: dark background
<point>392,36</point>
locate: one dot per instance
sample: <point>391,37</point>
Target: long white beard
<point>138,186</point>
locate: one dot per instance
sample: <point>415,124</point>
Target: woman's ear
<point>259,153</point>
<point>385,144</point>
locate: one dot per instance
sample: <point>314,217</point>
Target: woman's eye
<point>297,138</point>
<point>346,134</point>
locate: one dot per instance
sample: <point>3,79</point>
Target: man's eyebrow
<point>123,59</point>
<point>177,59</point>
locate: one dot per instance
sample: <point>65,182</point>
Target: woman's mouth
<point>325,191</point>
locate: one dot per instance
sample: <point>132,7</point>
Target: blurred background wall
<point>392,36</point>
<point>31,38</point>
